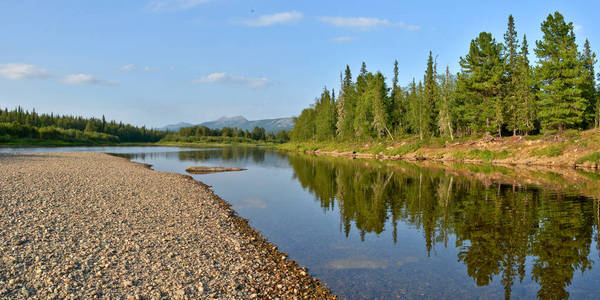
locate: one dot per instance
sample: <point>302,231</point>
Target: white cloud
<point>129,67</point>
<point>173,5</point>
<point>364,23</point>
<point>240,80</point>
<point>86,79</point>
<point>342,39</point>
<point>151,69</point>
<point>577,27</point>
<point>278,18</point>
<point>17,71</point>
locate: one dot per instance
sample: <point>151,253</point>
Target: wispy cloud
<point>173,5</point>
<point>278,18</point>
<point>251,82</point>
<point>577,27</point>
<point>129,67</point>
<point>342,39</point>
<point>364,23</point>
<point>16,71</point>
<point>86,79</point>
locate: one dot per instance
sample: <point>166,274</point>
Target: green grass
<point>484,155</point>
<point>593,157</point>
<point>550,151</point>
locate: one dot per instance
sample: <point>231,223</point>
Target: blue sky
<point>155,62</point>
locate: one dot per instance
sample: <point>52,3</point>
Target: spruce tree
<point>378,94</point>
<point>589,84</point>
<point>346,106</point>
<point>396,104</point>
<point>445,105</point>
<point>526,113</point>
<point>430,99</point>
<point>598,103</point>
<point>561,75</point>
<point>480,83</point>
<point>511,44</point>
<point>324,116</point>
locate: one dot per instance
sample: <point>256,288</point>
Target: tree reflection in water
<point>497,227</point>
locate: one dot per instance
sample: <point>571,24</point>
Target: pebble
<point>81,222</point>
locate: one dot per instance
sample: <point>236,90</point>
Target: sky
<point>158,62</point>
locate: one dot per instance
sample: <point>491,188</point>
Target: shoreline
<point>252,255</point>
<point>579,151</point>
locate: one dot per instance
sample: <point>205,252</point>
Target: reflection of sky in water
<point>283,196</point>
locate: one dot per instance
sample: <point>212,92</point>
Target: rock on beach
<point>91,225</point>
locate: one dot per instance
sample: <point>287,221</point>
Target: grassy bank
<point>570,148</point>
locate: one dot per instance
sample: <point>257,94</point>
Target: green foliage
<point>21,124</point>
<point>561,75</point>
<point>225,135</point>
<point>484,155</point>
<point>497,91</point>
<point>480,85</point>
<point>593,157</point>
<point>550,151</point>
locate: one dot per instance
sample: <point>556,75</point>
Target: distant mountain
<point>175,127</point>
<point>270,125</point>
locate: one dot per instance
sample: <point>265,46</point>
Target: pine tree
<point>511,44</point>
<point>561,75</point>
<point>526,113</point>
<point>589,84</point>
<point>479,85</point>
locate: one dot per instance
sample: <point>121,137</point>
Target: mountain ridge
<point>270,125</point>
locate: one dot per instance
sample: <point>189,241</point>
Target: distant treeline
<point>205,134</point>
<point>496,92</point>
<point>22,124</point>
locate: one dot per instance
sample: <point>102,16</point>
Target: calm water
<point>373,231</point>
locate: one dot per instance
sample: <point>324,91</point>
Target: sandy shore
<point>87,225</point>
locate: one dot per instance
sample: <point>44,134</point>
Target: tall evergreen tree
<point>589,84</point>
<point>445,105</point>
<point>511,99</point>
<point>561,75</point>
<point>431,96</point>
<point>397,107</point>
<point>419,115</point>
<point>325,116</point>
<point>346,106</point>
<point>378,93</point>
<point>526,113</point>
<point>480,83</point>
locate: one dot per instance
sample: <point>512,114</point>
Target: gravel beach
<point>91,225</point>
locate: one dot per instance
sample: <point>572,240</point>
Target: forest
<point>24,127</point>
<point>204,134</point>
<point>497,92</point>
<point>30,127</point>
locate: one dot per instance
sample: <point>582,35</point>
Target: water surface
<point>397,230</point>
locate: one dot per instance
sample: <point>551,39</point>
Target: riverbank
<point>570,149</point>
<point>93,225</point>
